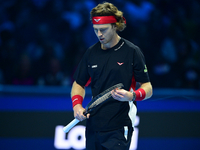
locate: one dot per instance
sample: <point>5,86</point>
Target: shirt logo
<point>120,63</point>
<point>140,94</point>
<point>75,100</point>
<point>145,69</point>
<point>97,20</point>
<point>94,66</point>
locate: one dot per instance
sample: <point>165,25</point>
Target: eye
<point>102,30</point>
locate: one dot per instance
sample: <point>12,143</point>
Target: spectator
<point>46,29</point>
<point>23,74</point>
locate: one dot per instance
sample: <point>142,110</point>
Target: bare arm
<point>78,109</point>
<point>148,89</point>
<point>77,90</point>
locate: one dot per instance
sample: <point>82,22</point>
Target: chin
<point>104,42</point>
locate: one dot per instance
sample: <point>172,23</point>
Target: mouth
<point>101,39</point>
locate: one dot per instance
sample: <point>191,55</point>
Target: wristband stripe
<point>140,94</point>
<point>77,99</point>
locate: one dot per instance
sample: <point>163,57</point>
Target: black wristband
<point>134,95</point>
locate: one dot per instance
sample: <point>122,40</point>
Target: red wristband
<point>140,94</point>
<point>77,99</point>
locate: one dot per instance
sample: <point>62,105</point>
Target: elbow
<point>148,89</point>
<point>151,92</point>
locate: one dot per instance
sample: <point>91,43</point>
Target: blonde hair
<point>108,9</point>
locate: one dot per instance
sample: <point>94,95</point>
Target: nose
<point>99,33</point>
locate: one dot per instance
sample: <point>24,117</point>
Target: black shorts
<point>119,139</point>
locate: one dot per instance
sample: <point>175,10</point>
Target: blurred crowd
<point>42,41</point>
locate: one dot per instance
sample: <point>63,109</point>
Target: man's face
<point>104,32</point>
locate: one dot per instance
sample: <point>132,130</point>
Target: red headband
<point>103,19</point>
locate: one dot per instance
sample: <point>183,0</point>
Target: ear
<point>114,26</point>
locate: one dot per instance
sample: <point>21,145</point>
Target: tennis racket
<point>97,100</point>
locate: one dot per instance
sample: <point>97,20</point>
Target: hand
<point>78,112</point>
<point>122,95</point>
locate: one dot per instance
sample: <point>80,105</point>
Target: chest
<point>110,63</point>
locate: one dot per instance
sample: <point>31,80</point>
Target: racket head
<point>101,98</point>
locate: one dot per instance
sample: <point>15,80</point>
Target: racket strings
<point>120,85</point>
<point>104,95</point>
<point>100,100</point>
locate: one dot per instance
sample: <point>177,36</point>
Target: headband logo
<point>97,20</point>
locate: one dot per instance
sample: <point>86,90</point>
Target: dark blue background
<point>56,100</point>
<point>42,42</point>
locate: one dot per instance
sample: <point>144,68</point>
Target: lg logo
<point>76,137</point>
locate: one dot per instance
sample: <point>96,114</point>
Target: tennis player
<point>110,61</point>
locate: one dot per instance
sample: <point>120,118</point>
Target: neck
<point>112,43</point>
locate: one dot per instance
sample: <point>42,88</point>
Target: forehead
<point>101,26</point>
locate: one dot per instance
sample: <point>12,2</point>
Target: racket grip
<point>70,125</point>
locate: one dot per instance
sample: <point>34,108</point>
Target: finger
<point>113,95</point>
<point>112,92</point>
<point>118,95</point>
<point>80,118</point>
<point>120,92</point>
<point>88,115</point>
<point>83,118</point>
